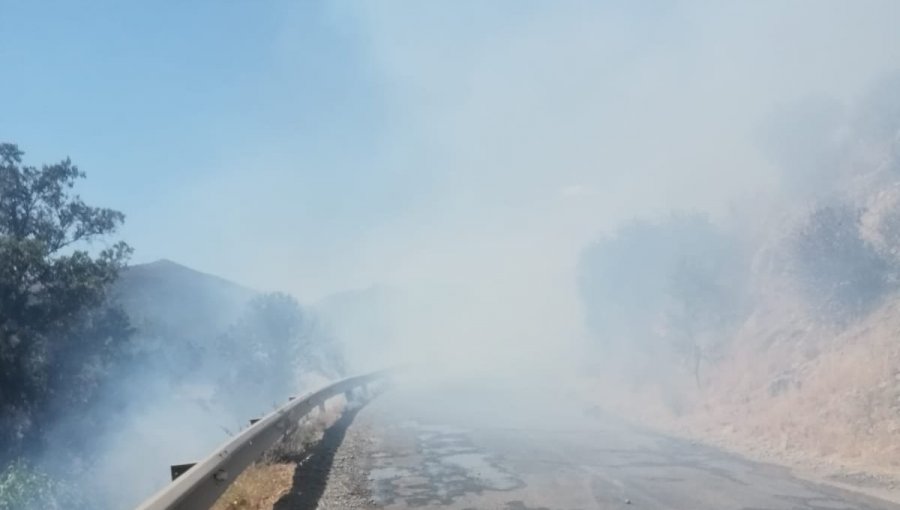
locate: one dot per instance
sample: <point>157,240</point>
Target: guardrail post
<point>179,469</point>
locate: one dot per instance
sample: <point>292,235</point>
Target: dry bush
<point>263,483</point>
<point>839,275</point>
<point>257,488</point>
<point>307,433</point>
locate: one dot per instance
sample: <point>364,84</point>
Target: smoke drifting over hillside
<point>470,152</point>
<point>523,133</point>
<point>485,171</point>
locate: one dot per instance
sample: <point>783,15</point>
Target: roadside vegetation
<point>82,352</point>
<point>61,339</point>
<point>765,324</point>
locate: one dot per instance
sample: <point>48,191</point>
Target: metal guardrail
<point>200,486</point>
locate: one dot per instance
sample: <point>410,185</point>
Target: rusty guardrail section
<point>200,486</point>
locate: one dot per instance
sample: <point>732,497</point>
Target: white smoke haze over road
<point>426,176</point>
<point>489,114</point>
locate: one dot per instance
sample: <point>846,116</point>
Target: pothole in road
<point>485,471</point>
<point>446,465</point>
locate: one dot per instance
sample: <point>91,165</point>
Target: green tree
<point>56,331</point>
<point>662,292</point>
<point>702,306</point>
<point>266,351</point>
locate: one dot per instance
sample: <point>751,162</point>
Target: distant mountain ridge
<point>177,298</point>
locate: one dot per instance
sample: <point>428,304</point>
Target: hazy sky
<point>314,147</point>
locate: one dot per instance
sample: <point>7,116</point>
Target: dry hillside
<point>800,361</point>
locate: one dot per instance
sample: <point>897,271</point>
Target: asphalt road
<point>490,445</point>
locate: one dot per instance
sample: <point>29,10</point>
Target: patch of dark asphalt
<point>557,460</point>
<point>447,465</point>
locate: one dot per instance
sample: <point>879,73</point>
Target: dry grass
<point>838,402</point>
<point>261,485</point>
<point>794,392</point>
<point>257,488</point>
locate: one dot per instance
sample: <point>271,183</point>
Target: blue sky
<point>148,99</point>
<point>158,103</point>
<point>314,147</point>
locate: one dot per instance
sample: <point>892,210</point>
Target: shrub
<point>663,291</point>
<point>837,272</point>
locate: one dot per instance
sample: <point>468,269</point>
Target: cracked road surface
<point>464,447</point>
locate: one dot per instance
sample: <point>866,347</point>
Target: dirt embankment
<point>832,396</point>
<point>825,401</point>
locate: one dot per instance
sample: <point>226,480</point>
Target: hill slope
<point>167,295</point>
